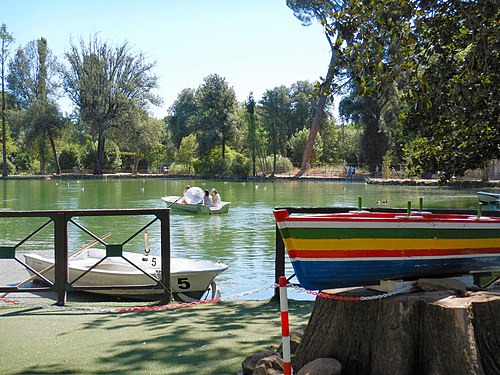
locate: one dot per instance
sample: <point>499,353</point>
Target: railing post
<point>61,256</point>
<point>164,217</point>
<point>279,262</point>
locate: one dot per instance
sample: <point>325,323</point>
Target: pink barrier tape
<point>8,300</point>
<point>234,296</point>
<point>168,307</point>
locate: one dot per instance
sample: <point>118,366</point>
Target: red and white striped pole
<point>285,328</point>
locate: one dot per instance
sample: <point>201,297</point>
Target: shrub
<point>68,158</point>
<point>283,165</point>
<point>112,160</point>
<point>241,166</point>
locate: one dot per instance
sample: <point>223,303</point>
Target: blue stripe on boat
<point>316,275</point>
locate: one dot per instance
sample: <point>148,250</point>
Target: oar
<point>46,269</point>
<point>175,201</point>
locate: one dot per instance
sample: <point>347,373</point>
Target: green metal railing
<point>60,220</point>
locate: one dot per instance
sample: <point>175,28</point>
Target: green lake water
<point>244,238</point>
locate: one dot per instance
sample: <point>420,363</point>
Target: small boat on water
<point>361,248</point>
<point>192,202</point>
<point>189,279</point>
<point>490,201</point>
<point>174,202</point>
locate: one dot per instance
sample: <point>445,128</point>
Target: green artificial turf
<point>205,339</point>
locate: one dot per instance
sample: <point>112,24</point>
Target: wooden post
<point>279,262</point>
<point>164,217</point>
<point>61,256</point>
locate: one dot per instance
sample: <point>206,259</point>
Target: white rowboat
<point>174,202</point>
<point>189,279</point>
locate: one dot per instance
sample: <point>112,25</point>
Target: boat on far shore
<point>491,201</point>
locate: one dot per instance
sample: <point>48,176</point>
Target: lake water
<point>244,238</point>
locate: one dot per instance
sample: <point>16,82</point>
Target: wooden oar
<point>46,269</point>
<point>175,201</point>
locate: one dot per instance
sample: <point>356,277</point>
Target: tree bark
<point>417,333</point>
<point>324,93</point>
<point>54,153</point>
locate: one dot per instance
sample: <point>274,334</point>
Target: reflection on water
<point>243,238</point>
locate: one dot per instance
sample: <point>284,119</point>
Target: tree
<point>302,97</point>
<point>104,82</point>
<point>323,11</point>
<point>377,113</point>
<point>7,39</point>
<point>444,57</point>
<point>456,113</point>
<point>139,134</point>
<point>297,144</point>
<point>183,114</point>
<point>252,131</point>
<point>44,123</point>
<point>216,121</point>
<point>31,81</point>
<point>275,118</point>
<point>187,151</point>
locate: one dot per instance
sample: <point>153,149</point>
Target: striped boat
<point>361,248</point>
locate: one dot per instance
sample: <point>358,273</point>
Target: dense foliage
<point>419,79</point>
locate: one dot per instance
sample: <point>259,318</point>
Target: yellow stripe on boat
<point>388,244</point>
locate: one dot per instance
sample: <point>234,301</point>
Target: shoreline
<point>359,179</point>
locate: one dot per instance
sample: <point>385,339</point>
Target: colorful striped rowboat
<point>360,248</point>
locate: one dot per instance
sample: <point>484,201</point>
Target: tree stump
<point>412,333</point>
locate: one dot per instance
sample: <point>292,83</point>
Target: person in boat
<point>183,199</point>
<point>216,199</point>
<point>207,200</point>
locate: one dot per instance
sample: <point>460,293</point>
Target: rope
<point>195,303</point>
<point>348,298</point>
<point>235,296</point>
<point>8,300</point>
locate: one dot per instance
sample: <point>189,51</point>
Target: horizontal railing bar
<point>15,289</point>
<point>94,212</point>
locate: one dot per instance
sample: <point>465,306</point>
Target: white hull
<point>173,202</point>
<point>189,279</point>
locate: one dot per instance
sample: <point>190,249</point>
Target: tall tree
<point>217,106</point>
<point>321,10</point>
<point>7,39</point>
<point>103,82</point>
<point>31,81</point>
<point>139,135</point>
<point>276,112</point>
<point>378,114</point>
<point>183,114</point>
<point>445,57</point>
<point>303,105</point>
<point>252,130</point>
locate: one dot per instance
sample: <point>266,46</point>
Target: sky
<point>255,45</point>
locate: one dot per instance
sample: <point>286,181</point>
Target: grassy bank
<point>205,339</point>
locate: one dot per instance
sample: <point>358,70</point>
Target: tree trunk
<point>417,333</point>
<point>100,155</point>
<point>324,93</point>
<point>54,152</point>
